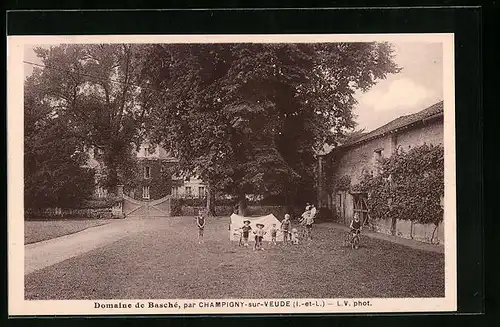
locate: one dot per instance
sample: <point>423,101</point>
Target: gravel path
<point>46,253</point>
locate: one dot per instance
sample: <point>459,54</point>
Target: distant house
<point>188,187</point>
<point>359,156</point>
<point>154,176</point>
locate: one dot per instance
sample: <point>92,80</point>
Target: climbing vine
<point>409,186</point>
<point>343,183</point>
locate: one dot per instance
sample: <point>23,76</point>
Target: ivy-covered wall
<point>409,188</point>
<point>159,180</point>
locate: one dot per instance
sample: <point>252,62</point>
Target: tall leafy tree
<point>53,159</point>
<point>250,116</point>
<point>100,90</point>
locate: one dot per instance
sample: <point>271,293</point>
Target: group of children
<point>290,235</point>
<point>259,232</point>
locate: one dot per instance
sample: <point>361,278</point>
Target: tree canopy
<point>53,160</point>
<point>250,116</point>
<point>101,92</point>
<point>247,117</point>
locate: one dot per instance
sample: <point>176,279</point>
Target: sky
<point>417,86</point>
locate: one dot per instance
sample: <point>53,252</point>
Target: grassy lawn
<point>167,262</point>
<point>42,230</point>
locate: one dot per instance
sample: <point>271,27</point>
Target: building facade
<point>154,178</point>
<point>190,187</point>
<point>361,155</point>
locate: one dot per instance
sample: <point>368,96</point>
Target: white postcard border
<point>19,306</point>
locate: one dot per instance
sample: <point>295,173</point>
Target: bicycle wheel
<point>355,242</point>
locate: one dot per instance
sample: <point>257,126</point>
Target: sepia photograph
<point>231,174</point>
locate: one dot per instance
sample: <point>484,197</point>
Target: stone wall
<point>354,160</point>
<point>407,229</point>
<point>65,213</point>
<point>359,158</point>
<point>431,133</point>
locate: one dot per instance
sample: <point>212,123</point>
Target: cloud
<point>402,93</point>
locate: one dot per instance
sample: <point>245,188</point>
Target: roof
<point>436,110</point>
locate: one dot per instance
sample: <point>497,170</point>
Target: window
<point>174,192</point>
<point>188,191</point>
<point>201,191</point>
<point>377,160</point>
<point>100,192</point>
<point>147,172</point>
<point>145,192</point>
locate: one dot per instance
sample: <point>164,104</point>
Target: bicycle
<point>355,238</point>
<point>352,239</point>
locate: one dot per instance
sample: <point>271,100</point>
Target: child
<point>259,235</point>
<point>305,214</point>
<point>200,222</point>
<point>355,225</point>
<point>305,220</point>
<point>245,231</point>
<point>309,221</point>
<point>313,212</point>
<point>273,234</point>
<point>295,236</point>
<point>285,228</point>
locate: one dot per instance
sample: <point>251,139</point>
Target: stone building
<point>154,178</point>
<point>189,187</point>
<point>359,156</point>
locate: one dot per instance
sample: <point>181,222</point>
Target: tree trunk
<point>242,205</point>
<point>433,232</point>
<point>393,226</point>
<point>210,201</point>
<point>411,229</point>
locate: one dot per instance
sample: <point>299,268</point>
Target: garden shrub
<point>176,205</point>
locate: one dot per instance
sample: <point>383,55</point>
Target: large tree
<point>249,116</point>
<point>53,160</point>
<point>101,91</point>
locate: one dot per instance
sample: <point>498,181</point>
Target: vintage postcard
<point>231,174</point>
